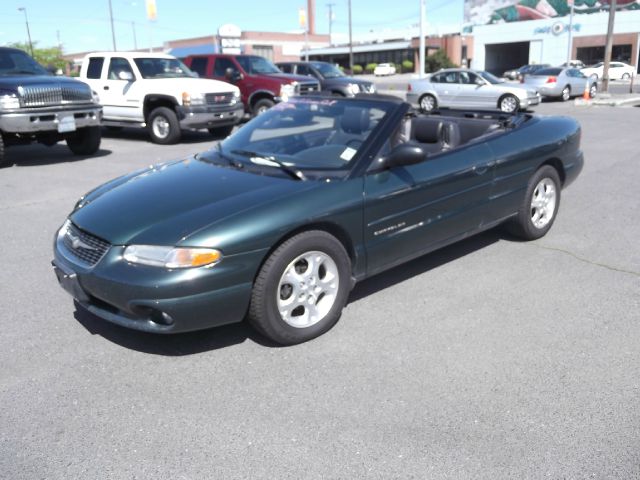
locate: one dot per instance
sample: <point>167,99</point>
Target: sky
<point>83,25</point>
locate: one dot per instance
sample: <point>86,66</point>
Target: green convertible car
<point>278,222</point>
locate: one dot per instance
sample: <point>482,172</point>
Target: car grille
<point>308,88</point>
<point>218,98</point>
<point>47,95</point>
<point>84,246</point>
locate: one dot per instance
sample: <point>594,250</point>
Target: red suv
<point>261,83</point>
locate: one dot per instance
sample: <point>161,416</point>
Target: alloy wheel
<point>160,126</point>
<point>543,203</point>
<point>427,103</point>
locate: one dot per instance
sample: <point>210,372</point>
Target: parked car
<point>562,83</point>
<point>280,220</point>
<point>331,78</point>
<point>518,73</point>
<point>617,71</point>
<point>38,107</point>
<point>384,69</point>
<point>464,88</point>
<point>261,83</point>
<point>158,92</point>
<point>573,64</point>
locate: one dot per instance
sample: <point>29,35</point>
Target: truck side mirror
<point>124,75</point>
<point>232,75</point>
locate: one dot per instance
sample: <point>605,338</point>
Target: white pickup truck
<point>159,92</point>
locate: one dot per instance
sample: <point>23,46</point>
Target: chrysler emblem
<point>76,242</point>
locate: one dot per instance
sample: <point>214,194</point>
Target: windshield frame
<point>187,72</point>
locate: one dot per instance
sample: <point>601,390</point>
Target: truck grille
<point>47,95</point>
<point>85,247</point>
<point>308,88</point>
<point>218,98</point>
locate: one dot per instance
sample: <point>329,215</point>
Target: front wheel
<point>428,103</point>
<point>84,141</point>
<point>164,127</point>
<point>262,106</point>
<point>509,104</point>
<point>221,132</point>
<point>301,289</point>
<point>540,205</point>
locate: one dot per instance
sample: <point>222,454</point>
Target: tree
<point>50,58</point>
<point>437,60</point>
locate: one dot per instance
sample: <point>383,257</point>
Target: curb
<point>608,102</point>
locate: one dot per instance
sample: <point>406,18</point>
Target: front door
<point>115,93</point>
<point>410,210</point>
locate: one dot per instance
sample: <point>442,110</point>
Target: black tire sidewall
<point>504,97</point>
<point>264,312</point>
<point>174,126</point>
<point>526,228</point>
<point>85,141</point>
<point>263,102</point>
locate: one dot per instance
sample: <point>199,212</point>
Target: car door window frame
<point>109,69</point>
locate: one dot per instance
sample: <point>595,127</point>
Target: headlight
<point>192,99</point>
<point>236,96</point>
<point>171,257</point>
<point>9,102</point>
<point>354,88</point>
<point>287,91</point>
<point>95,98</point>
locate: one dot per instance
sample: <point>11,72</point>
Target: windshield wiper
<point>230,161</point>
<point>296,174</point>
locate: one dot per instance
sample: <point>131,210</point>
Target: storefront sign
<point>229,38</point>
<point>558,28</point>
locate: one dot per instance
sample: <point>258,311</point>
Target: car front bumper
<point>159,300</point>
<point>48,119</point>
<point>530,101</point>
<point>210,116</point>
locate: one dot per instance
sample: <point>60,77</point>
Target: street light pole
<point>350,42</point>
<point>113,33</point>
<point>26,21</point>
<point>135,39</point>
<point>570,34</point>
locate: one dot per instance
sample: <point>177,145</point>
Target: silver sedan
<point>561,83</point>
<point>464,88</point>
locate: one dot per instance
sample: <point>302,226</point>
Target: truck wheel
<point>163,126</point>
<point>262,106</point>
<point>3,160</point>
<point>221,132</point>
<point>84,141</point>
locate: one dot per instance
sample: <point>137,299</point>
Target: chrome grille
<point>84,246</point>
<point>311,87</point>
<point>47,95</point>
<point>218,98</point>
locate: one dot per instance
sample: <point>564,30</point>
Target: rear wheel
<point>84,141</point>
<point>566,93</point>
<point>626,76</point>
<point>540,205</point>
<point>221,132</point>
<point>301,289</point>
<point>593,90</point>
<point>164,127</point>
<point>509,103</point>
<point>262,106</point>
<point>428,103</point>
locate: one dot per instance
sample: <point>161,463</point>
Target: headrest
<point>451,134</point>
<point>355,120</point>
<point>427,130</point>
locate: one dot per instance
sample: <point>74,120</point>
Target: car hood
<point>290,78</point>
<point>164,204</point>
<point>11,82</point>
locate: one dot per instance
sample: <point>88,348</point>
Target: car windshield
<point>162,68</point>
<point>549,71</point>
<point>15,62</point>
<point>312,135</point>
<point>327,70</point>
<point>254,64</point>
<point>489,77</point>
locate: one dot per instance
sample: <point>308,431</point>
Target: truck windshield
<point>256,65</point>
<point>16,62</point>
<point>162,68</point>
<point>327,70</point>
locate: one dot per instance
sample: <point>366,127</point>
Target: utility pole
<point>135,40</point>
<point>350,42</point>
<point>608,47</point>
<point>113,33</point>
<point>422,46</point>
<point>59,42</point>
<point>26,21</point>
<point>571,2</point>
<point>330,5</point>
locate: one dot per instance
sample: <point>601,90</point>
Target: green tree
<point>50,58</point>
<point>436,61</point>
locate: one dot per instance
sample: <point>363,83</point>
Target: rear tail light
<point>409,88</point>
<point>551,80</point>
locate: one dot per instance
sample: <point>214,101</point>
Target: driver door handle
<point>106,87</point>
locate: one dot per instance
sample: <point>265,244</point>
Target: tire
<point>626,76</point>
<point>322,291</point>
<point>262,106</point>
<point>164,127</point>
<point>221,132</point>
<point>3,159</point>
<point>428,103</point>
<point>84,141</point>
<point>593,90</point>
<point>566,93</point>
<point>533,221</point>
<point>509,103</point>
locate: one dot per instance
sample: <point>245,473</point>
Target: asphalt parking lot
<point>492,358</point>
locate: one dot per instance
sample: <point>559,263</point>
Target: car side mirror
<point>232,75</point>
<point>124,75</point>
<point>403,155</point>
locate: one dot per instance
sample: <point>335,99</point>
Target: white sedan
<point>384,69</point>
<point>617,71</point>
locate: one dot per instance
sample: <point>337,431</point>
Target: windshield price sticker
<point>66,124</point>
<point>348,154</point>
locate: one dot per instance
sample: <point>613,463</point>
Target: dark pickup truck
<point>332,79</point>
<point>38,107</point>
<point>261,83</point>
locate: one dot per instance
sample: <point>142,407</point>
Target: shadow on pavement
<point>36,155</point>
<point>220,337</point>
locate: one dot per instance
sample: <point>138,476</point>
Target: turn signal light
<point>551,80</point>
